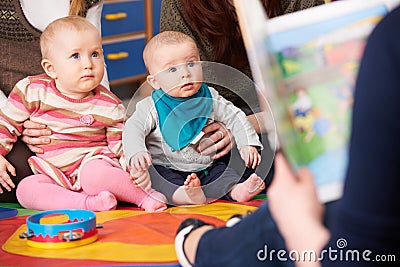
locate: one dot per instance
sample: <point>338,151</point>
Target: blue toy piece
<point>80,228</point>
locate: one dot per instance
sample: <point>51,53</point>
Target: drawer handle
<point>116,16</point>
<point>117,56</point>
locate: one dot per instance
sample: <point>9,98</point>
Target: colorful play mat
<point>129,237</point>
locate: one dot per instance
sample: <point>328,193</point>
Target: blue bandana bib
<point>182,119</point>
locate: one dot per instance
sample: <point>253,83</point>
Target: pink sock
<point>99,175</point>
<point>152,201</point>
<point>101,202</point>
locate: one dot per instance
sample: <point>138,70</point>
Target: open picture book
<point>305,64</point>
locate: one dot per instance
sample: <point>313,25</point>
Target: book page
<point>306,64</point>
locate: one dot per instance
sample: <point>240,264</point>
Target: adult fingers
<point>213,127</point>
<point>305,176</point>
<point>33,132</point>
<point>10,169</point>
<point>6,181</point>
<point>28,124</point>
<point>220,147</point>
<point>218,140</point>
<point>35,141</point>
<point>283,176</point>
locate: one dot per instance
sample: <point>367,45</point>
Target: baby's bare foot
<point>248,189</point>
<point>192,187</point>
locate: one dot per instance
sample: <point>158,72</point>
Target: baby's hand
<point>141,161</point>
<point>5,179</point>
<point>141,179</point>
<point>250,156</point>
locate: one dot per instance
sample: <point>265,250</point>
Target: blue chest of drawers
<point>126,26</point>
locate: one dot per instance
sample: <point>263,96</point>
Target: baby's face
<point>177,69</point>
<point>78,61</point>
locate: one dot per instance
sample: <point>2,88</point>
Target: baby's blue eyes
<point>77,56</point>
<point>189,64</point>
<point>172,69</point>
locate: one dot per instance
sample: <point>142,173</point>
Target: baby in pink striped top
<point>83,166</point>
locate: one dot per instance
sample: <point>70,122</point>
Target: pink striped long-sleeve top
<point>82,129</point>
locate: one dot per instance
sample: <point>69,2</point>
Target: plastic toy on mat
<point>80,229</point>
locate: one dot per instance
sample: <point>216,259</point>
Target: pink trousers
<point>102,185</point>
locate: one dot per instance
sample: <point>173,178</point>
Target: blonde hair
<point>77,8</point>
<point>67,23</point>
<point>165,38</point>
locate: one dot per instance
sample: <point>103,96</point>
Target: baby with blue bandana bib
<point>166,128</point>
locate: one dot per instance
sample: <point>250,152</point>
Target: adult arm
<point>11,121</point>
<point>296,210</point>
<point>235,120</point>
<point>11,127</point>
<point>35,134</point>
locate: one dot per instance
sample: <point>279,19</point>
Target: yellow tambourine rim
<point>57,245</point>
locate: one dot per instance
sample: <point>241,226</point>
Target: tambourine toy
<point>80,229</point>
